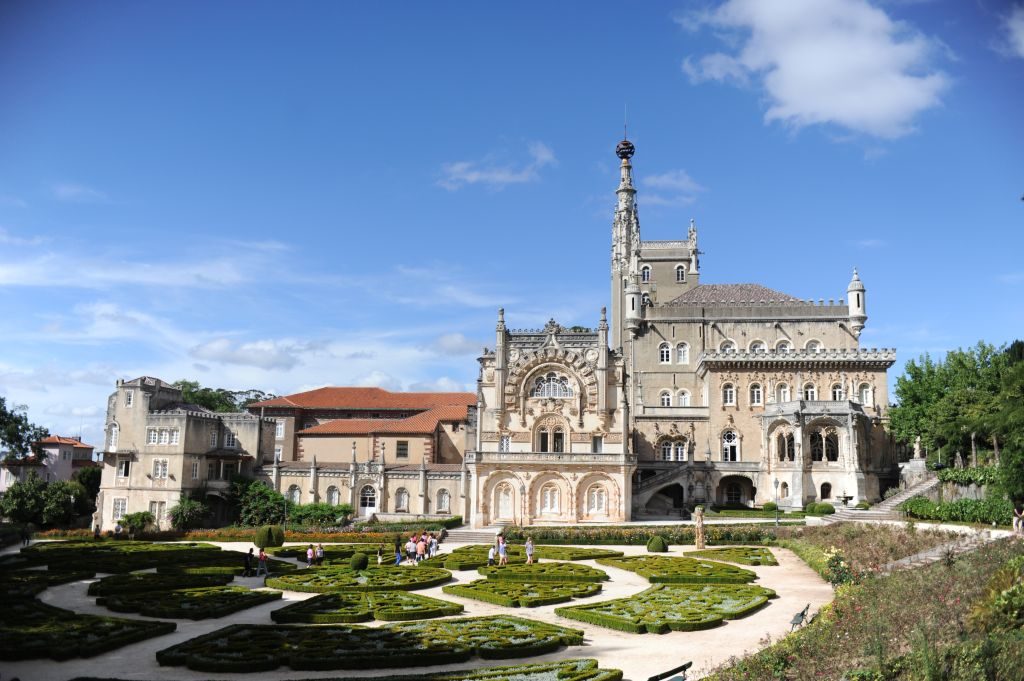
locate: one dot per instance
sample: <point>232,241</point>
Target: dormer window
<point>813,346</point>
<point>645,273</point>
<point>551,385</point>
<point>758,346</point>
<point>783,346</point>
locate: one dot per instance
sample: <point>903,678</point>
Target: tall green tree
<point>89,477</point>
<point>17,433</point>
<point>24,500</point>
<point>219,399</point>
<point>62,502</point>
<point>260,505</point>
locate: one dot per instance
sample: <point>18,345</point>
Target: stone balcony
<point>547,458</point>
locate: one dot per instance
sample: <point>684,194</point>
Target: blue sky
<point>284,196</point>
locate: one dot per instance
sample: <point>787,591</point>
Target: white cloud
<point>1013,25</point>
<point>263,354</point>
<point>73,192</point>
<point>487,172</point>
<point>672,188</point>
<point>455,344</point>
<point>838,62</point>
<point>378,379</point>
<point>440,385</point>
<point>67,270</point>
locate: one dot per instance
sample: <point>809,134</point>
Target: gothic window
<point>784,490</point>
<point>597,500</point>
<point>367,498</point>
<point>680,273</point>
<point>756,396</point>
<point>666,451</point>
<point>866,398</point>
<point>682,353</point>
<point>645,274</point>
<point>683,399</point>
<point>551,385</point>
<point>783,346</point>
<point>665,353</point>
<point>813,346</point>
<point>549,499</point>
<point>730,446</point>
<point>402,500</point>
<point>780,446</point>
<point>728,394</point>
<point>558,440</point>
<point>832,447</point>
<point>817,447</point>
<point>444,501</point>
<point>504,443</point>
<point>758,346</point>
<point>666,399</point>
<point>837,393</point>
<point>791,447</point>
<point>294,495</point>
<point>680,450</point>
<point>728,346</point>
<point>504,504</point>
<point>115,432</point>
<point>810,391</point>
<point>782,393</point>
<point>333,496</point>
<point>826,491</point>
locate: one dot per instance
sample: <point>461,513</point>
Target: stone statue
<point>699,532</point>
<point>917,447</point>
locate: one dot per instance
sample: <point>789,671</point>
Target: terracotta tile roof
<point>365,399</point>
<point>423,423</point>
<point>732,293</point>
<point>58,440</point>
<point>27,461</point>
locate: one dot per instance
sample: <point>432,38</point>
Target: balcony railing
<point>676,412</point>
<point>614,459</point>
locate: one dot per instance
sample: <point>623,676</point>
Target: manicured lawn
<point>350,607</point>
<point>136,582</point>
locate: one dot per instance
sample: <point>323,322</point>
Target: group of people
<point>418,548</point>
<point>261,564</point>
<point>315,556</point>
<point>499,551</point>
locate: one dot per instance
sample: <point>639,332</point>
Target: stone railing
<point>613,459</point>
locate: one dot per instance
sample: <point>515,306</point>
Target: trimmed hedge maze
<point>339,578</point>
<point>221,563</point>
<point>526,595</point>
<point>252,648</point>
<point>747,555</point>
<point>28,583</point>
<point>118,556</point>
<point>31,630</point>
<point>151,581</point>
<point>545,572</point>
<point>664,608</point>
<point>475,556</point>
<point>194,604</point>
<point>332,551</point>
<point>667,570</point>
<point>350,607</point>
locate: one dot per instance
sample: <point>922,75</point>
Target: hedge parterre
<point>332,551</point>
<point>136,582</point>
<point>668,570</point>
<point>350,607</point>
<point>475,555</point>
<point>251,648</point>
<point>31,630</point>
<point>342,578</point>
<point>747,555</point>
<point>28,583</point>
<point>119,556</point>
<point>230,563</point>
<point>545,572</point>
<point>664,608</point>
<point>194,604</point>
<point>527,595</point>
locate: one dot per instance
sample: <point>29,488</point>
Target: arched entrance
<point>668,500</point>
<point>367,501</point>
<point>734,490</point>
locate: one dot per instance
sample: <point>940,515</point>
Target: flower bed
<point>340,578</point>
<point>32,630</point>
<point>474,556</point>
<point>433,525</point>
<point>194,604</point>
<point>666,570</point>
<point>151,581</point>
<point>664,608</point>
<point>640,535</point>
<point>527,595</point>
<point>28,583</point>
<point>251,648</point>
<point>350,607</point>
<point>747,555</point>
<point>545,572</point>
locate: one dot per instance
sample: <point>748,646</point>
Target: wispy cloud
<point>263,354</point>
<point>1013,32</point>
<point>68,271</point>
<point>73,192</point>
<point>838,62</point>
<point>497,174</point>
<point>455,345</point>
<point>674,187</point>
<point>11,240</point>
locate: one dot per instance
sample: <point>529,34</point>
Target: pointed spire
<point>855,283</point>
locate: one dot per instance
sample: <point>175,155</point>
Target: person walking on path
<point>421,550</point>
<point>247,569</point>
<point>310,556</point>
<point>398,552</point>
<point>410,550</point>
<point>1018,517</point>
<point>432,545</point>
<point>261,566</point>
<point>502,551</point>
<point>319,554</point>
<point>490,556</point>
<point>529,551</point>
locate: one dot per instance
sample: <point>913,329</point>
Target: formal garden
<point>361,606</point>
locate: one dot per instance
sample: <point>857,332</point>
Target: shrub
<point>639,535</point>
<point>269,535</point>
<point>891,492</point>
<point>863,506</point>
<point>512,594</point>
<point>336,578</point>
<point>747,555</point>
<point>657,544</point>
<point>346,607</point>
<point>545,572</point>
<point>187,513</point>
<point>137,522</point>
<point>666,570</point>
<point>358,561</point>
<point>191,603</point>
<point>988,510</point>
<point>770,506</point>
<point>982,475</point>
<point>475,555</point>
<point>822,508</point>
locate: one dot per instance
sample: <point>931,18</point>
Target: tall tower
<point>625,242</point>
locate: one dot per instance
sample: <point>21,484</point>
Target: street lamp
<point>776,502</point>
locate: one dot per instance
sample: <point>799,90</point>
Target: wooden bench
<point>799,618</point>
<point>664,675</point>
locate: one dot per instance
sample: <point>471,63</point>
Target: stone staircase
<point>887,509</point>
<point>467,535</point>
<point>963,544</point>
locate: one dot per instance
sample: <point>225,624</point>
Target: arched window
<point>826,491</point>
<point>813,346</point>
<point>294,495</point>
<point>680,273</point>
<point>367,498</point>
<point>115,434</point>
<point>866,398</point>
<point>683,399</point>
<point>665,353</point>
<point>682,353</point>
<point>756,396</point>
<point>551,385</point>
<point>758,346</point>
<point>783,346</point>
<point>645,273</point>
<point>728,394</point>
<point>727,346</point>
<point>444,501</point>
<point>791,447</point>
<point>665,399</point>
<point>832,447</point>
<point>817,447</point>
<point>597,500</point>
<point>333,496</point>
<point>730,446</point>
<point>784,490</point>
<point>549,499</point>
<point>810,391</point>
<point>837,393</point>
<point>552,439</point>
<point>402,500</point>
<point>782,393</point>
<point>780,446</point>
<point>504,505</point>
<point>666,451</point>
<point>680,450</point>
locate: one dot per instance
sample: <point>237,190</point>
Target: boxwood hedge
<point>528,595</point>
<point>343,578</point>
<point>332,551</point>
<point>194,604</point>
<point>221,563</point>
<point>664,608</point>
<point>151,581</point>
<point>475,555</point>
<point>251,648</point>
<point>350,607</point>
<point>668,570</point>
<point>28,583</point>
<point>118,556</point>
<point>545,572</point>
<point>31,630</point>
<point>747,555</point>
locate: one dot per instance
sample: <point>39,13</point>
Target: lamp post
<point>776,502</point>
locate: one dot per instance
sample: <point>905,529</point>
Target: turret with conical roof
<point>857,304</point>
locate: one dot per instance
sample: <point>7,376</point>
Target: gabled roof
<point>58,440</point>
<point>424,423</point>
<point>366,399</point>
<point>732,293</point>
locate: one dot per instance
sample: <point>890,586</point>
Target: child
<point>310,555</point>
<point>529,551</point>
<point>490,556</point>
